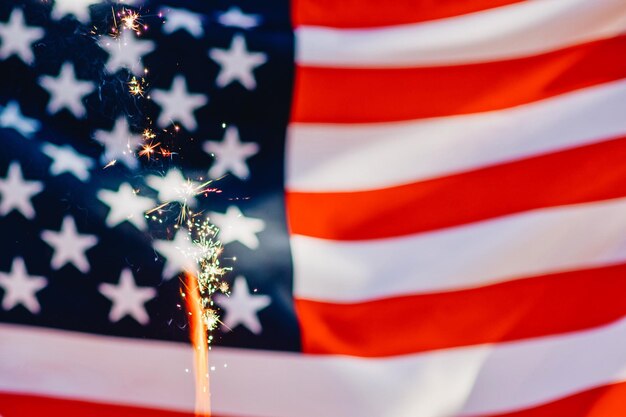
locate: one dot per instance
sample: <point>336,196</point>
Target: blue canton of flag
<point>78,251</point>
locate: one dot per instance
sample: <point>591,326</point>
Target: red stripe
<point>371,13</point>
<point>351,95</point>
<point>502,312</point>
<point>584,174</point>
<point>604,401</point>
<point>22,405</point>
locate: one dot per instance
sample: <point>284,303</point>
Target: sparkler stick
<point>198,335</point>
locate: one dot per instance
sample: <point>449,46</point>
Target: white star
<point>234,226</point>
<point>128,298</point>
<point>17,37</point>
<point>66,159</point>
<point>126,52</point>
<point>230,154</point>
<point>179,254</point>
<point>236,18</point>
<point>178,103</point>
<point>125,205</point>
<point>17,192</point>
<point>174,187</point>
<point>20,288</point>
<point>237,63</point>
<point>66,91</point>
<point>176,19</point>
<point>69,245</point>
<point>12,117</point>
<point>119,143</point>
<point>242,307</point>
<point>78,8</point>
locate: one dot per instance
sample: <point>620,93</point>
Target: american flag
<point>426,201</point>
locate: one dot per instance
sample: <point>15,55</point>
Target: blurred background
<point>421,206</point>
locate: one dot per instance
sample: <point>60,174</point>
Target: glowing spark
<point>148,134</point>
<point>130,20</point>
<point>166,153</point>
<point>148,149</point>
<point>135,87</point>
<point>114,29</point>
<point>110,164</point>
<point>157,208</point>
<point>211,319</point>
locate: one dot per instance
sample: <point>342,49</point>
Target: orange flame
<point>198,335</point>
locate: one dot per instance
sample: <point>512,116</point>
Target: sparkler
<point>200,287</point>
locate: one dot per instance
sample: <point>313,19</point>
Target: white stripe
<point>532,243</point>
<point>465,381</point>
<point>526,28</point>
<point>79,366</point>
<point>327,157</point>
